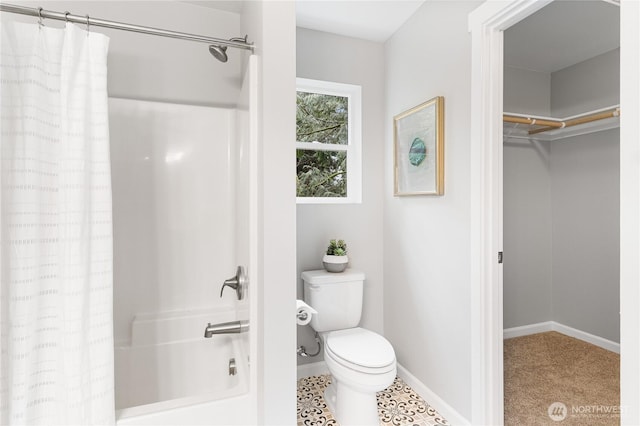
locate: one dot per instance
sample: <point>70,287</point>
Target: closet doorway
<point>561,215</point>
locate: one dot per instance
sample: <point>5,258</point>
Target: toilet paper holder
<point>302,316</point>
<point>304,312</point>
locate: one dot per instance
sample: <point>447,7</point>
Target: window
<point>328,142</point>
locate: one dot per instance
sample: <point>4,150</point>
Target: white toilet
<point>361,362</point>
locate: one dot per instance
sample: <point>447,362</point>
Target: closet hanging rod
<point>581,120</point>
<point>531,121</point>
<point>95,22</point>
<point>550,124</point>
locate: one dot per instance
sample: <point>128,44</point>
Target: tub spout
<point>226,328</point>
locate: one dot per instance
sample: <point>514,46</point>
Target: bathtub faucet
<point>226,328</point>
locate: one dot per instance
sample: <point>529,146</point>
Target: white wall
<point>630,211</point>
<point>362,63</point>
<point>426,239</point>
<point>158,68</point>
<point>273,27</point>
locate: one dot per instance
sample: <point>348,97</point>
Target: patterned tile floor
<point>398,405</point>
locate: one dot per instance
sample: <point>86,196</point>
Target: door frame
<point>486,25</point>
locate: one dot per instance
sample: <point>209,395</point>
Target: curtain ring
<point>87,16</point>
<point>40,18</point>
<point>66,16</point>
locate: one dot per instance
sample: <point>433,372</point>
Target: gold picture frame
<point>418,145</point>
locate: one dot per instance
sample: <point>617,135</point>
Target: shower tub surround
<point>174,214</point>
<point>173,208</point>
<point>169,365</point>
<point>169,359</point>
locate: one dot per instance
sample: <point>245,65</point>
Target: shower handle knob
<point>237,283</point>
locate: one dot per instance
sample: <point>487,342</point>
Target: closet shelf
<point>521,126</point>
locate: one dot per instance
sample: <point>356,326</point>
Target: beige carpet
<point>580,381</point>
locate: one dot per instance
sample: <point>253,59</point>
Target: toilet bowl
<point>361,363</point>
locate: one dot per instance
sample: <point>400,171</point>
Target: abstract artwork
<point>419,149</point>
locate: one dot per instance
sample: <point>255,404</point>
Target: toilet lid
<point>361,347</point>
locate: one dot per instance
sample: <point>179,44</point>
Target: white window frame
<point>353,148</point>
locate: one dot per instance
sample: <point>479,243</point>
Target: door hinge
<point>499,257</point>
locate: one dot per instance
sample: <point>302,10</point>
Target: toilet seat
<point>361,350</point>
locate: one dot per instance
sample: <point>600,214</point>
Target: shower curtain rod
<point>95,22</point>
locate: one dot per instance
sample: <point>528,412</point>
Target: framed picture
<point>418,143</point>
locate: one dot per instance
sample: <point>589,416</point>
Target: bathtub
<point>171,375</point>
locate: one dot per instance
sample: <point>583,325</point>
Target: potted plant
<point>336,259</point>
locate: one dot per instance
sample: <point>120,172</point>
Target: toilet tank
<point>336,296</point>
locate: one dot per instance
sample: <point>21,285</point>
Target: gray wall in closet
<point>588,85</point>
<point>561,204</point>
<point>585,201</point>
<point>527,206</point>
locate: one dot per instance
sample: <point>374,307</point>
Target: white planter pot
<point>335,263</point>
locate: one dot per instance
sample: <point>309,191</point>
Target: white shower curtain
<point>56,232</point>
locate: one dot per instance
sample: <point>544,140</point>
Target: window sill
<point>328,200</point>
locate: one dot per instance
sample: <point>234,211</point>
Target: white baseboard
<point>312,369</point>
<point>448,412</point>
<point>526,330</point>
<point>452,416</point>
<point>564,329</point>
<point>587,337</point>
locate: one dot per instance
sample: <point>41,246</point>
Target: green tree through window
<point>321,119</point>
<point>328,142</point>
